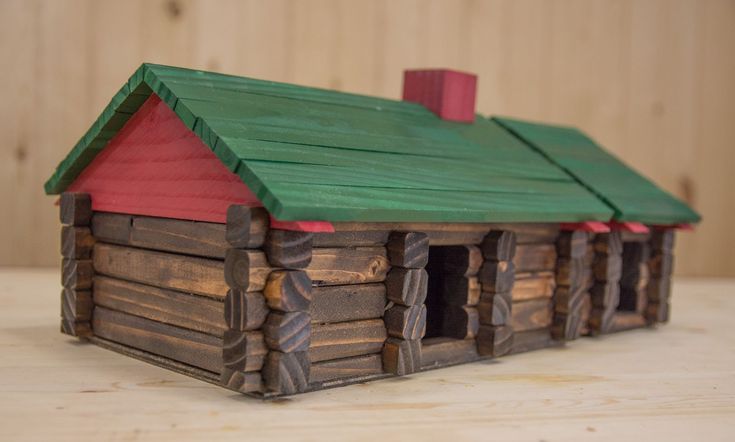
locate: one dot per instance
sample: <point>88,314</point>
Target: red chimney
<point>449,94</point>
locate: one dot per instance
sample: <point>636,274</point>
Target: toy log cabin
<point>276,239</point>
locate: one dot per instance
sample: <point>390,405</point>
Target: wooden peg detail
<point>241,382</point>
<point>288,249</point>
<point>288,291</point>
<point>499,245</point>
<point>288,332</point>
<point>494,340</point>
<point>286,373</point>
<point>460,322</point>
<point>75,209</point>
<point>245,311</point>
<point>401,357</point>
<point>406,286</point>
<point>76,242</point>
<point>495,308</point>
<point>497,276</point>
<point>243,351</point>
<point>77,274</point>
<point>246,226</point>
<point>408,249</point>
<point>406,322</point>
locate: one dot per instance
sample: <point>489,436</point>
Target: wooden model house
<point>276,239</point>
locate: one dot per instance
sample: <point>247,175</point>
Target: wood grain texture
<point>246,226</point>
<point>241,382</point>
<point>497,276</point>
<point>187,346</point>
<point>531,233</point>
<point>572,244</point>
<point>460,260</point>
<point>440,234</point>
<point>167,270</point>
<point>245,310</point>
<point>494,340</point>
<point>532,340</point>
<point>113,228</point>
<point>75,209</point>
<point>243,351</point>
<point>572,271</point>
<point>338,266</point>
<point>495,309</point>
<point>286,373</point>
<point>531,315</point>
<point>346,368</point>
<point>77,274</point>
<point>531,285</point>
<point>76,242</point>
<point>288,291</point>
<point>499,245</point>
<point>343,303</point>
<point>408,249</point>
<point>407,286</point>
<point>288,249</point>
<point>246,270</point>
<point>287,332</point>
<point>76,312</point>
<point>443,351</point>
<point>181,309</point>
<point>346,339</point>
<point>179,236</point>
<point>351,238</point>
<point>461,290</point>
<point>535,257</point>
<point>406,322</point>
<point>401,357</point>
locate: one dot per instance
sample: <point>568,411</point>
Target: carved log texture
<point>288,249</point>
<point>408,249</point>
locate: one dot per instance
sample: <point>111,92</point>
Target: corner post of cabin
<point>77,242</point>
<point>573,280</point>
<point>245,308</point>
<point>660,268</point>
<point>288,294</point>
<point>406,289</point>
<point>497,276</point>
<point>607,270</point>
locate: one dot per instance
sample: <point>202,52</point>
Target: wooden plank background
<point>652,80</point>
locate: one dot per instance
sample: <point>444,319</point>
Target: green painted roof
<point>632,196</point>
<point>312,154</point>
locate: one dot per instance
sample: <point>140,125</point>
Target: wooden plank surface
<point>51,378</point>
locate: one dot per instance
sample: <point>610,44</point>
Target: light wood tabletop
<point>673,383</point>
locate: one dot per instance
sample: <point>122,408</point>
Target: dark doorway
<point>634,276</point>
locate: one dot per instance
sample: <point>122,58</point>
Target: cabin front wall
<point>271,312</point>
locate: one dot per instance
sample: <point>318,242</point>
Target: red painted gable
<point>156,166</point>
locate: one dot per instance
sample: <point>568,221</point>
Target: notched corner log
<point>286,373</point>
<point>499,245</point>
<point>406,322</point>
<point>246,226</point>
<point>243,351</point>
<point>494,340</point>
<point>76,242</point>
<point>497,276</point>
<point>75,209</point>
<point>288,290</point>
<point>461,322</point>
<point>288,332</point>
<point>288,249</point>
<point>495,308</point>
<point>572,244</point>
<point>241,382</point>
<point>245,310</point>
<point>76,274</point>
<point>408,249</point>
<point>407,286</point>
<point>401,357</point>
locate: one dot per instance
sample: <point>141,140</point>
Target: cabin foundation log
<point>497,278</point>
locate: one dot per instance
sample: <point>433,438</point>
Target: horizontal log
<point>499,245</point>
<point>407,286</point>
<point>77,273</point>
<point>531,285</point>
<point>497,276</point>
<point>166,270</point>
<point>572,272</point>
<point>342,303</point>
<point>572,244</point>
<point>76,242</point>
<point>179,236</point>
<point>163,234</point>
<point>634,237</point>
<point>241,382</point>
<point>288,249</point>
<point>351,238</point>
<point>245,310</point>
<point>440,234</point>
<point>168,306</point>
<point>531,233</point>
<point>346,339</point>
<point>186,346</point>
<point>535,257</point>
<point>532,340</point>
<point>288,291</point>
<point>401,357</point>
<point>408,249</point>
<point>531,315</point>
<point>494,340</point>
<point>346,368</point>
<point>442,352</point>
<point>288,332</point>
<point>406,322</point>
<point>340,266</point>
<point>286,373</point>
<point>243,350</point>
